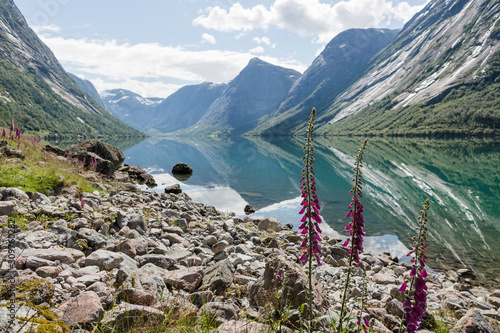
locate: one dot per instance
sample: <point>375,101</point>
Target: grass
<point>41,172</point>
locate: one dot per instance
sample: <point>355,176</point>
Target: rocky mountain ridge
<point>257,90</point>
<point>90,89</point>
<point>449,44</point>
<point>131,108</point>
<point>343,61</point>
<point>185,107</point>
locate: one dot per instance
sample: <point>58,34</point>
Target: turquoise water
<point>460,177</point>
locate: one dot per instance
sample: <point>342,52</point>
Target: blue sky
<point>153,47</point>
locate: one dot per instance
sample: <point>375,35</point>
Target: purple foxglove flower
<point>407,305</point>
<point>318,259</point>
<point>413,271</point>
<point>278,276</point>
<point>303,259</point>
<point>403,287</point>
<point>421,284</point>
<point>411,324</point>
<point>345,243</point>
<point>423,273</point>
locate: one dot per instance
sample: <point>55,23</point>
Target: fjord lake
<point>460,177</point>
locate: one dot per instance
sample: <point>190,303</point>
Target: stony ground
<point>133,259</point>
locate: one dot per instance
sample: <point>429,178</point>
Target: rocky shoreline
<point>132,258</point>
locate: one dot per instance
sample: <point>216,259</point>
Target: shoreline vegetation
<point>85,249</point>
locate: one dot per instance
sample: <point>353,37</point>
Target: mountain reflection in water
<point>460,177</point>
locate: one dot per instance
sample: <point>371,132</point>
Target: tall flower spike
<point>12,130</point>
<point>416,296</point>
<point>310,208</point>
<point>356,225</point>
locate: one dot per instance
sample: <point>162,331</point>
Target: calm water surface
<point>460,177</point>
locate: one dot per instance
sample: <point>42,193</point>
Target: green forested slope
<point>31,102</point>
<point>469,109</point>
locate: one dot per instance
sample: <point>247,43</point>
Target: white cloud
<point>308,17</point>
<point>150,69</point>
<point>258,49</point>
<point>208,38</point>
<point>143,88</point>
<point>265,41</point>
<point>236,19</point>
<point>46,28</point>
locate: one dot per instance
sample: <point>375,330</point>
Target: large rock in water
<point>101,149</point>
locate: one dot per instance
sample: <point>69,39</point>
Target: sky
<point>154,47</point>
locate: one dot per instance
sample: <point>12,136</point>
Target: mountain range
<point>438,75</point>
<point>37,93</point>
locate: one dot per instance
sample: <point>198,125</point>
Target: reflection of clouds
<point>385,243</point>
<point>222,198</point>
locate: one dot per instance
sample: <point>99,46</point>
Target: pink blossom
<point>304,258</point>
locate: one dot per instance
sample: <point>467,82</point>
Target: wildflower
<point>4,133</point>
<point>12,130</point>
<point>18,133</point>
<point>416,298</point>
<point>310,208</point>
<point>82,203</point>
<point>310,203</point>
<point>355,226</point>
<point>280,273</point>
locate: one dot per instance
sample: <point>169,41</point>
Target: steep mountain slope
<point>342,62</point>
<point>131,108</point>
<point>442,60</point>
<point>36,91</point>
<point>89,88</point>
<point>257,90</point>
<point>185,107</point>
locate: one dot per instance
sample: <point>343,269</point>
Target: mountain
<point>37,93</point>
<point>131,108</point>
<point>89,88</point>
<point>257,90</point>
<point>343,61</point>
<point>185,107</point>
<point>439,76</point>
